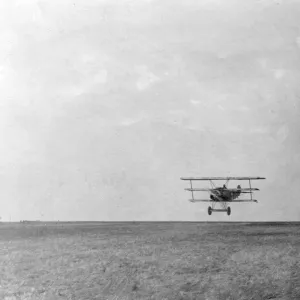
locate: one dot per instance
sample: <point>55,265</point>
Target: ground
<point>150,261</point>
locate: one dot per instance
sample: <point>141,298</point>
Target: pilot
<point>224,186</point>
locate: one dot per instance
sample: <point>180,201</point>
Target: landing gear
<point>209,210</point>
<point>228,211</point>
<point>224,208</point>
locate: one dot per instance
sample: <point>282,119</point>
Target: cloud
<point>99,78</point>
<point>197,95</point>
<point>283,133</point>
<point>132,121</point>
<point>146,78</point>
<point>242,108</point>
<point>298,41</point>
<point>259,130</point>
<point>263,63</point>
<point>195,102</point>
<point>278,73</point>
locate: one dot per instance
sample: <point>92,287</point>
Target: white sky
<point>105,104</point>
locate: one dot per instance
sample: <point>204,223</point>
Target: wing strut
<point>212,184</point>
<point>192,190</point>
<point>227,181</point>
<point>250,189</point>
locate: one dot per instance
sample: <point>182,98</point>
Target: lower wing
<point>209,200</point>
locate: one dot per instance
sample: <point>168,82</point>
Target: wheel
<point>228,211</point>
<point>209,210</point>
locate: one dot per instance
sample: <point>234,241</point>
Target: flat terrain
<point>150,261</point>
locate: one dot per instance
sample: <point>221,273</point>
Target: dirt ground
<point>150,261</point>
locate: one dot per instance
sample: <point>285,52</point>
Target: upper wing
<point>221,178</point>
<point>246,190</point>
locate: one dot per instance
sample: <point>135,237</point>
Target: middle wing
<point>199,190</point>
<point>243,190</point>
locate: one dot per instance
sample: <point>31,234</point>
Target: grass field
<point>150,261</point>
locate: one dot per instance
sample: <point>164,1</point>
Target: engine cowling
<point>214,198</point>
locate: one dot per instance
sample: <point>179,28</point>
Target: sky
<point>106,104</point>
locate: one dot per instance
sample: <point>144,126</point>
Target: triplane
<point>222,195</point>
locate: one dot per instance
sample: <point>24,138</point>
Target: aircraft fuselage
<point>222,194</point>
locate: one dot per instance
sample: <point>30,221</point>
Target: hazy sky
<point>106,104</point>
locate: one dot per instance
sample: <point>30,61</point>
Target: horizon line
<point>145,221</point>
